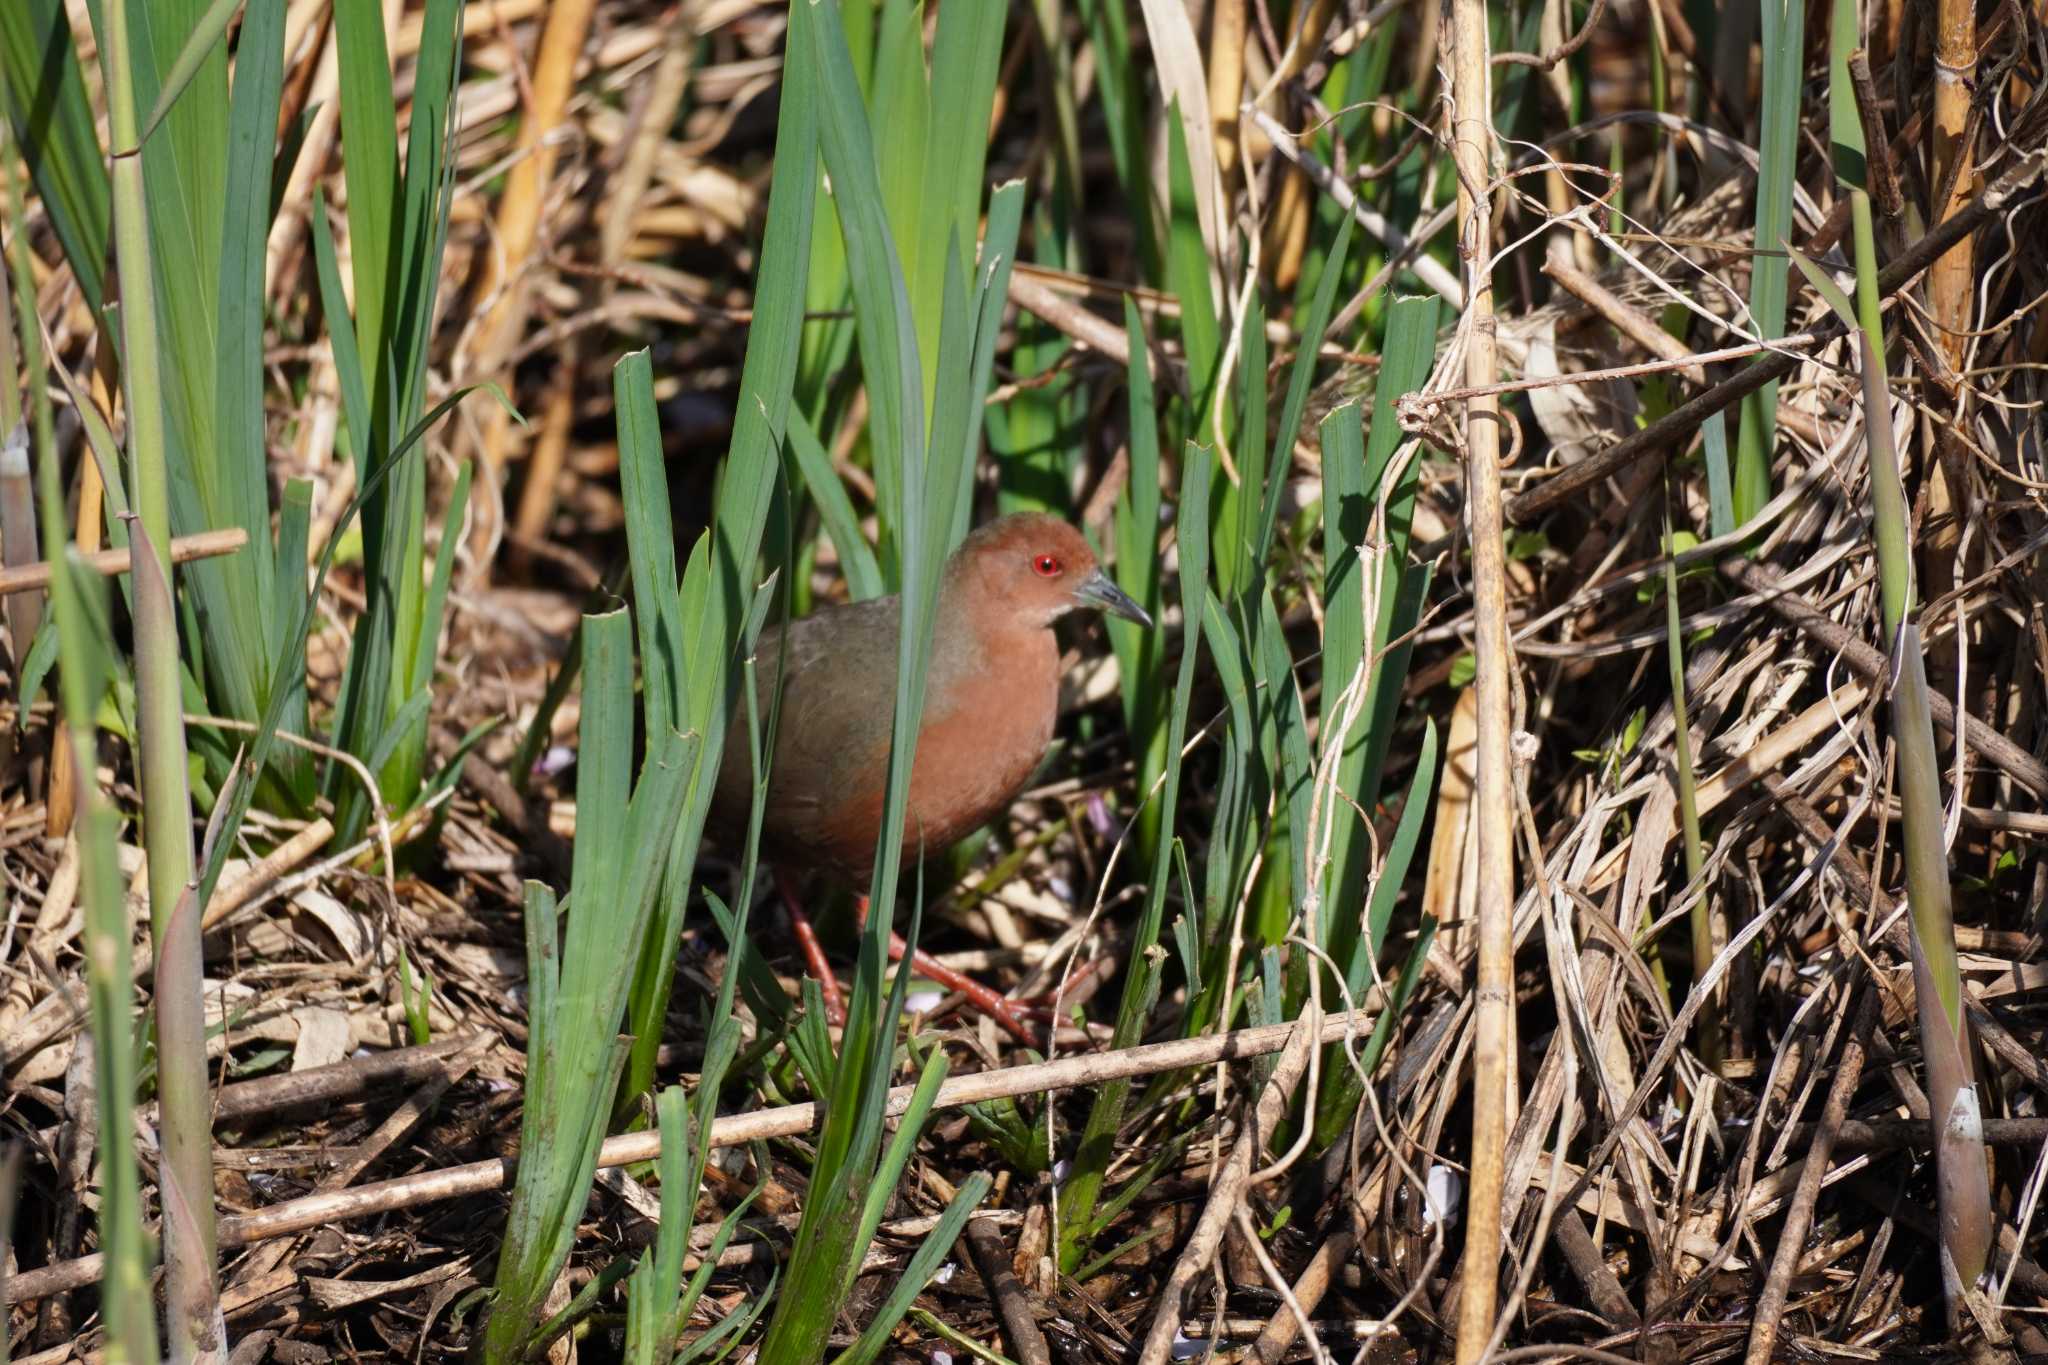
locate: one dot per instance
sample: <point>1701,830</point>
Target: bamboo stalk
<point>1962,1176</point>
<point>1493,1045</point>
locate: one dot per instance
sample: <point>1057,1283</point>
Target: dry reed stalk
<point>1287,229</point>
<point>1177,54</point>
<point>263,875</point>
<point>1226,82</point>
<point>501,287</point>
<point>1493,1075</point>
<point>1950,280</point>
<point>1304,42</point>
<point>1950,284</point>
<point>661,98</point>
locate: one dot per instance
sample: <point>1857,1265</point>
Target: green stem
<point>186,1176</point>
<point>1963,1185</point>
<point>1712,1044</point>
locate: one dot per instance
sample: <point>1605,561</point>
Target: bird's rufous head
<point>1039,567</point>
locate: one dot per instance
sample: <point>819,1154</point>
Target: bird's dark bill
<point>1097,591</point>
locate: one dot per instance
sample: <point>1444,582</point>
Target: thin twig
<point>1230,1185</point>
<point>480,1177</point>
<point>1870,665</point>
<point>112,563</point>
<point>1770,1304</point>
<point>1668,431</point>
<point>992,1259</point>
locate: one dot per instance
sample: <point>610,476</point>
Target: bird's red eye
<point>1045,566</point>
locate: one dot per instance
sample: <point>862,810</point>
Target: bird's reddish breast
<point>982,739</point>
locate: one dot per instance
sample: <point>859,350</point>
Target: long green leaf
<point>1187,266</point>
<point>1784,38</point>
<point>1140,653</point>
<point>1301,378</point>
<point>916,1275</point>
<point>78,608</point>
<point>198,47</point>
<point>856,557</point>
<point>53,123</point>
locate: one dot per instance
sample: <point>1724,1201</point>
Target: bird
<point>991,700</point>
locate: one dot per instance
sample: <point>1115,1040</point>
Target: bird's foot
<point>814,952</point>
<point>981,996</point>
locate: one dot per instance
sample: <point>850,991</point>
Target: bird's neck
<point>974,637</point>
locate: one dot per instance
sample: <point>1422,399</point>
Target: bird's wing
<point>832,735</point>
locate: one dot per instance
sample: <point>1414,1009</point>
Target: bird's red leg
<point>981,996</point>
<point>813,951</point>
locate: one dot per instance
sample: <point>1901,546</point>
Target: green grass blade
<point>369,140</point>
<point>294,647</point>
<point>719,593</point>
<point>1240,505</point>
<point>1105,1116</point>
<point>1337,1104</point>
<point>650,539</point>
<point>997,257</point>
<point>919,502</point>
<point>882,1188</point>
<point>1347,518</point>
<point>127,1300</point>
<point>856,557</point>
<point>444,570</point>
<point>1187,267</point>
<point>1784,32</point>
<point>1140,653</point>
<point>966,50</point>
<point>1301,378</point>
<point>611,897</point>
<point>226,475</point>
<point>900,101</point>
<point>197,49</point>
<point>918,1273</point>
<point>658,1279</point>
<point>1123,107</point>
